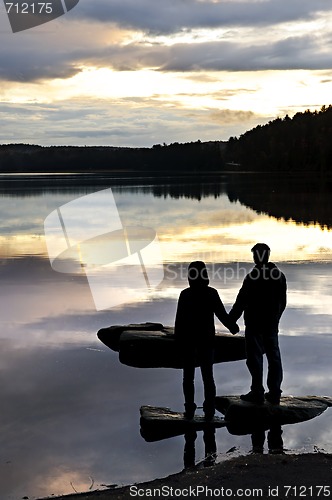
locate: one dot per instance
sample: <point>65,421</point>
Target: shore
<point>264,476</point>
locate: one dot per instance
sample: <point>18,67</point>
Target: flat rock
<point>159,423</point>
<point>152,345</point>
<point>110,336</point>
<point>242,415</point>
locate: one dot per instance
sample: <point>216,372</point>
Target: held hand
<point>235,329</point>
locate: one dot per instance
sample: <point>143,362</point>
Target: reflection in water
<point>258,436</point>
<point>259,421</point>
<point>259,432</point>
<point>305,200</point>
<point>289,197</point>
<point>68,407</point>
<point>274,439</point>
<point>187,186</point>
<point>210,453</point>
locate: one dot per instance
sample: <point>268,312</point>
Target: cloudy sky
<point>141,72</point>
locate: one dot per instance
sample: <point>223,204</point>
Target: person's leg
<point>258,440</point>
<point>188,385</point>
<point>209,390</point>
<point>274,439</point>
<point>275,373</point>
<point>208,381</point>
<point>209,438</point>
<point>254,352</point>
<point>189,448</point>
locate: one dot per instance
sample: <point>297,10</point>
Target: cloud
<point>114,37</point>
<point>305,52</point>
<point>301,52</point>
<point>120,122</point>
<point>230,116</point>
<point>174,42</point>
<point>176,15</point>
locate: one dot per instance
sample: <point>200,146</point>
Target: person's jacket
<point>194,322</point>
<point>262,298</point>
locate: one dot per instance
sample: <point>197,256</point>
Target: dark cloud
<point>302,52</point>
<point>175,15</point>
<point>30,63</point>
<point>101,34</point>
<point>292,53</point>
<point>60,53</point>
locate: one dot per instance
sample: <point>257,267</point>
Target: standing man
<point>262,299</point>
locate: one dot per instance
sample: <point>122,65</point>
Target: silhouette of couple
<point>262,299</point>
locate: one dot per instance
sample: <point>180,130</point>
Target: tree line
<point>301,143</point>
<point>194,157</point>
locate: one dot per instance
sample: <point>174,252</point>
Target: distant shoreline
<point>192,157</point>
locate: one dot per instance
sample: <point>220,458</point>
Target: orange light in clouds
<point>289,241</point>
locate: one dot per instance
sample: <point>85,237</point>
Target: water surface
<point>70,411</point>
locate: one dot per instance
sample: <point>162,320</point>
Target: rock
<point>162,423</point>
<point>151,345</point>
<point>110,336</point>
<point>242,416</point>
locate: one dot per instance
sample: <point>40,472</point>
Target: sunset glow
<point>106,66</point>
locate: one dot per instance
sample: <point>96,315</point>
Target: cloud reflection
<point>70,410</point>
<point>73,413</point>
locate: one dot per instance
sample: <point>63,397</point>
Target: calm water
<point>69,410</point>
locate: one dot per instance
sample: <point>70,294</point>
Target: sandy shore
<point>258,476</point>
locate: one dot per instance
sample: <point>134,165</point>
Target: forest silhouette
<point>293,145</point>
<point>286,163</point>
<point>298,144</point>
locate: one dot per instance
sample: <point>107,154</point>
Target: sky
<point>143,72</point>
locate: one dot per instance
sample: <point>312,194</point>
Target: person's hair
<point>261,253</point>
<point>197,273</point>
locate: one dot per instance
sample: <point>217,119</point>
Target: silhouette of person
<point>274,439</point>
<point>262,298</point>
<point>194,333</point>
<point>209,438</point>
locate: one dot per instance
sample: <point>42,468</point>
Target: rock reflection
<point>158,424</point>
<point>262,422</point>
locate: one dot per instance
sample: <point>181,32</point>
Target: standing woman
<point>195,332</point>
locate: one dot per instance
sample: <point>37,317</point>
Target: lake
<point>69,410</point>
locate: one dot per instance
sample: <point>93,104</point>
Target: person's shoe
<point>257,449</point>
<point>253,397</point>
<point>270,398</point>
<point>189,415</point>
<point>189,412</point>
<point>209,410</point>
<point>209,415</point>
<point>277,451</point>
